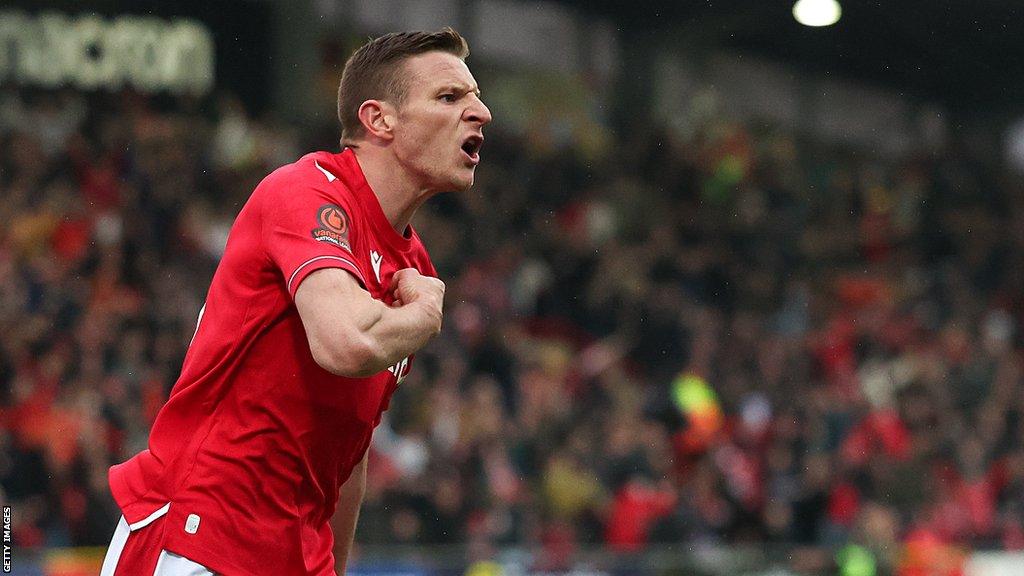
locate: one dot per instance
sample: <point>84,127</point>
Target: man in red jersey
<point>322,297</point>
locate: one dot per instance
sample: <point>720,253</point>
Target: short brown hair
<point>374,71</point>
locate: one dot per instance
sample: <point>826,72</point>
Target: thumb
<point>399,278</point>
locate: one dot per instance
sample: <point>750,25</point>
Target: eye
<point>449,97</point>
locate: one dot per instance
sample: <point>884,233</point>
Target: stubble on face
<point>431,129</point>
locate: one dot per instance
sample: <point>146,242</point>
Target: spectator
<point>855,318</point>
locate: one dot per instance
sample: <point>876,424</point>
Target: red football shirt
<point>256,439</point>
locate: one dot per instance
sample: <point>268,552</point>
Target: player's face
<point>439,130</point>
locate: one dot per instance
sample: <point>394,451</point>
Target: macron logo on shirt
<point>375,260</point>
<point>330,177</point>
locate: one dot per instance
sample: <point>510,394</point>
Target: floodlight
<point>817,12</point>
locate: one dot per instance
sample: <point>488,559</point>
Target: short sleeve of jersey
<point>306,229</point>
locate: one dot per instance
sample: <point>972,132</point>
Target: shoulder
<point>305,180</point>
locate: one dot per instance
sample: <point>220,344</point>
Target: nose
<point>478,112</point>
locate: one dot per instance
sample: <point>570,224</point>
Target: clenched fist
<point>412,288</point>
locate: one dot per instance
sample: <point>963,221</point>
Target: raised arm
<point>352,334</point>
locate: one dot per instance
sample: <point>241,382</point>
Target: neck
<point>398,194</point>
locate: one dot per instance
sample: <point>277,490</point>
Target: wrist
<point>429,317</point>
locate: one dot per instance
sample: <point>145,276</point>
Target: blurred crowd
<point>733,334</point>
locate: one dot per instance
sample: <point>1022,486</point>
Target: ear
<point>377,118</point>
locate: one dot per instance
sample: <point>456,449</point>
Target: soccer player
<point>322,297</point>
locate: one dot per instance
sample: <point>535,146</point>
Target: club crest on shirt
<point>333,226</point>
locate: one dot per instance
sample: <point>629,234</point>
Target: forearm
<point>352,334</point>
<point>346,515</point>
<point>355,335</point>
<point>395,333</point>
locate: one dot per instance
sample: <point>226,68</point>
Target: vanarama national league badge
<point>333,226</point>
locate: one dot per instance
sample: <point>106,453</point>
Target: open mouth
<point>471,146</point>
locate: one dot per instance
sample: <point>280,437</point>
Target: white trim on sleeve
<point>314,259</point>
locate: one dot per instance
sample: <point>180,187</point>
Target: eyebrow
<point>460,87</point>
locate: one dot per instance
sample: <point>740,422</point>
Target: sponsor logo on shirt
<point>400,370</point>
<point>333,226</point>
